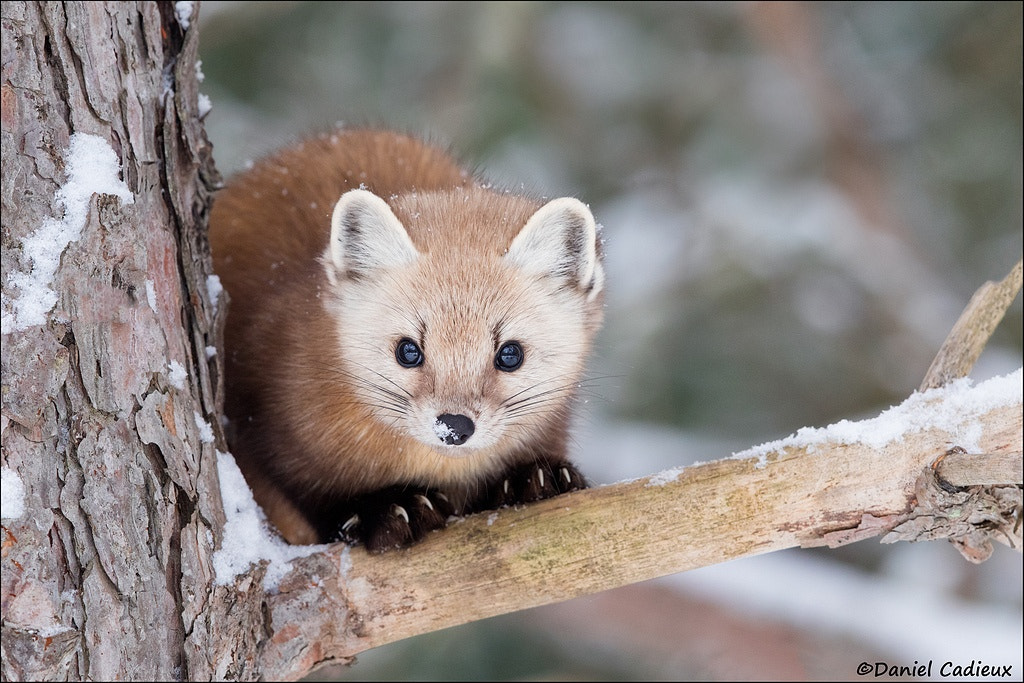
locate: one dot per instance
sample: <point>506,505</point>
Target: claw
<point>399,511</point>
<point>426,501</point>
<point>441,496</point>
<point>352,521</point>
<point>565,473</point>
<point>540,478</point>
<point>506,486</point>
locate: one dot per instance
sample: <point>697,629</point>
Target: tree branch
<point>959,469</point>
<point>972,330</point>
<point>906,474</point>
<point>825,491</point>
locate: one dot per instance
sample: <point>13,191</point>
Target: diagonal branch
<point>972,330</point>
<point>947,463</point>
<point>832,486</point>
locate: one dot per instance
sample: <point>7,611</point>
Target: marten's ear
<point>366,235</point>
<point>561,241</point>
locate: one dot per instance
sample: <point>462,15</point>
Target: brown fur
<point>303,434</point>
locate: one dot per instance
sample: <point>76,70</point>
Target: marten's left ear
<point>366,236</point>
<point>561,241</point>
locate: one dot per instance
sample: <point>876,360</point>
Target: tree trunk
<point>111,402</point>
<point>106,574</point>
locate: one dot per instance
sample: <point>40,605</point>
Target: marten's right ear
<point>561,240</point>
<point>366,235</point>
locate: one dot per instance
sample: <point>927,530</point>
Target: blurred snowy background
<point>798,201</point>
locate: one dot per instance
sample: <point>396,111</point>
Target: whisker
<point>508,399</point>
<point>370,393</point>
<point>532,398</point>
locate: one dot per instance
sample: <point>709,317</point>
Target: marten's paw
<point>392,518</point>
<point>533,481</point>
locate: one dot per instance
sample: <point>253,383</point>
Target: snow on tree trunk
<point>107,384</point>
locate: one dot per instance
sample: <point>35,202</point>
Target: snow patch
<point>664,477</point>
<point>12,494</point>
<point>248,539</point>
<point>205,430</point>
<point>955,407</point>
<point>443,431</point>
<point>204,104</point>
<point>176,375</point>
<point>92,167</point>
<point>213,290</point>
<point>183,13</point>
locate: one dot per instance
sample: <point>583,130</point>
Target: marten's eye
<point>509,357</point>
<point>408,353</point>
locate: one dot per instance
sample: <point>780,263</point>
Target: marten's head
<point>464,317</point>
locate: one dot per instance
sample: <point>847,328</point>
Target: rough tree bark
<point>107,574</point>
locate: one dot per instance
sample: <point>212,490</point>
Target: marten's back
<point>278,212</point>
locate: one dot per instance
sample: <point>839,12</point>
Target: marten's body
<point>403,342</point>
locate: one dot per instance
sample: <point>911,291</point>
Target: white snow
<point>205,430</point>
<point>955,407</point>
<point>91,167</point>
<point>205,105</point>
<point>247,537</point>
<point>664,477</point>
<point>211,351</point>
<point>443,431</point>
<point>183,12</point>
<point>12,494</point>
<point>213,290</point>
<point>176,375</point>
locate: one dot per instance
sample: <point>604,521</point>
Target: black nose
<point>454,430</point>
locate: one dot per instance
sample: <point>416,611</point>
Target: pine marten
<point>403,340</point>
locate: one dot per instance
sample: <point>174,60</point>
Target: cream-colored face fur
<point>541,290</point>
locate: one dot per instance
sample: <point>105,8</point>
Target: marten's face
<point>484,357</point>
<point>457,342</point>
